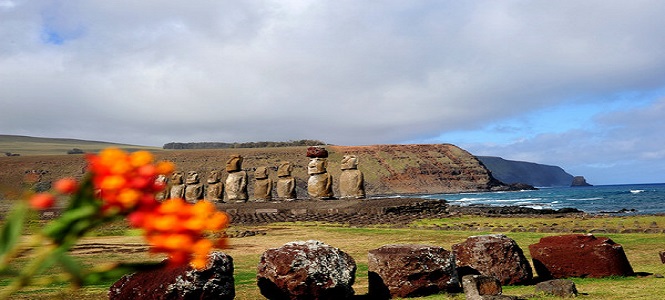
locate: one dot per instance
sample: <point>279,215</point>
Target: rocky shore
<point>373,211</point>
<point>402,212</point>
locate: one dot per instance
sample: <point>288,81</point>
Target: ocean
<point>625,199</point>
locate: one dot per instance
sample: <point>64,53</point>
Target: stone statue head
<point>215,176</point>
<point>317,166</point>
<point>261,173</point>
<point>234,164</point>
<point>176,178</point>
<point>192,177</point>
<point>284,169</point>
<point>162,179</point>
<point>349,162</point>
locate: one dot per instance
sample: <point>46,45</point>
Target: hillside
<point>388,169</point>
<point>539,175</point>
<point>26,145</point>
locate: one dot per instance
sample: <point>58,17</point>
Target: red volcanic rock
<point>183,282</point>
<point>317,152</point>
<point>493,255</point>
<point>579,255</point>
<point>410,270</point>
<point>306,270</point>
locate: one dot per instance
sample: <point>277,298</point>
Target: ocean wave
<point>526,200</point>
<point>585,199</point>
<point>474,199</point>
<point>636,191</point>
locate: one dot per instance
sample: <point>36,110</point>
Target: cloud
<point>622,146</point>
<point>346,72</point>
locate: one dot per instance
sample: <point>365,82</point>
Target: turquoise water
<point>636,198</point>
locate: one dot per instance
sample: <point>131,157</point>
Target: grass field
<point>641,248</point>
<point>26,146</point>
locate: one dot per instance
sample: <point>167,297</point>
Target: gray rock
<point>557,287</point>
<point>478,287</point>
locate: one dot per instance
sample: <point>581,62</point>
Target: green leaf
<point>10,233</point>
<point>116,271</point>
<point>72,267</point>
<point>59,228</point>
<point>85,195</point>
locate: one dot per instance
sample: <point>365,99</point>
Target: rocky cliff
<point>579,181</point>
<point>539,175</point>
<point>388,169</point>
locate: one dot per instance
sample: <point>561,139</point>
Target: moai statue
<point>162,195</point>
<point>319,185</point>
<point>215,188</point>
<point>236,182</point>
<point>351,181</point>
<point>177,186</point>
<point>193,188</point>
<point>286,184</point>
<point>262,185</point>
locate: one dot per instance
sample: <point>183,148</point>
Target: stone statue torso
<point>319,186</point>
<point>286,188</point>
<point>351,184</point>
<point>236,186</point>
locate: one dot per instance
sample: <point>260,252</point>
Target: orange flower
<point>65,186</point>
<point>42,201</point>
<point>126,181</point>
<point>178,229</point>
<point>165,167</point>
<point>140,158</point>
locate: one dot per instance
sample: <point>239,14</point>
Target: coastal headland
<point>388,169</point>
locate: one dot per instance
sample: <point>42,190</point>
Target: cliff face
<point>510,171</point>
<point>388,169</point>
<point>579,181</point>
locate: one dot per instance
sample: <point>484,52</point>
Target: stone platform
<point>355,212</point>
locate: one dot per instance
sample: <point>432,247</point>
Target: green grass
<point>25,146</point>
<point>641,250</point>
<point>546,224</point>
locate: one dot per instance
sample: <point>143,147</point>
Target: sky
<point>577,84</point>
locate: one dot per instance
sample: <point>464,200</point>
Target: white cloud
<point>346,72</point>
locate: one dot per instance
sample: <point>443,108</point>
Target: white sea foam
<point>636,191</point>
<point>473,199</point>
<point>585,199</point>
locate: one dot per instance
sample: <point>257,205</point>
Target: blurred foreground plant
<point>117,185</point>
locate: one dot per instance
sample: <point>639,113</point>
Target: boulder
<point>182,282</point>
<point>480,287</point>
<point>306,270</point>
<point>579,255</point>
<point>493,255</point>
<point>410,270</point>
<point>662,256</point>
<point>557,287</point>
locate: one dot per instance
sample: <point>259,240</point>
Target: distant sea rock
<point>538,175</point>
<point>579,181</point>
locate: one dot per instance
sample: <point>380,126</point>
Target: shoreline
<point>441,215</point>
